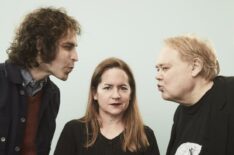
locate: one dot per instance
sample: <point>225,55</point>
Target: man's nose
<point>74,55</point>
<point>158,75</point>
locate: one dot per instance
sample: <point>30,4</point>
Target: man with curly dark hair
<point>44,44</point>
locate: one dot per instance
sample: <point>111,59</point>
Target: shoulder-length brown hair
<point>134,137</point>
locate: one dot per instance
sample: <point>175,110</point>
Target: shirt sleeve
<point>68,142</point>
<point>153,146</point>
<point>173,131</point>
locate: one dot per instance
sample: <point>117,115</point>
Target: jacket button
<point>22,92</point>
<point>17,148</point>
<point>22,120</point>
<point>3,139</point>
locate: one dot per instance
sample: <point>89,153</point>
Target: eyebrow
<point>158,65</point>
<point>107,84</point>
<point>161,64</point>
<point>69,44</point>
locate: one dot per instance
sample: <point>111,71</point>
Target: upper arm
<point>68,140</point>
<point>153,146</point>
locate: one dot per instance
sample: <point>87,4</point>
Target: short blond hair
<point>190,47</point>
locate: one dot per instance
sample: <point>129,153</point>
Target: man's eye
<point>165,68</point>
<point>68,47</point>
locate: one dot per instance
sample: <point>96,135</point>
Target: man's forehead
<point>163,58</point>
<point>68,40</point>
<point>166,57</point>
<point>161,63</point>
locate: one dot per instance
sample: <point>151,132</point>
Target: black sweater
<point>207,127</point>
<point>72,139</point>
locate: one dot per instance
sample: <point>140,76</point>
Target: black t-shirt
<point>72,140</point>
<point>189,132</point>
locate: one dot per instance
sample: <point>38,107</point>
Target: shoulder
<point>225,82</point>
<point>224,90</point>
<point>1,68</point>
<point>230,82</point>
<point>148,131</point>
<point>71,138</point>
<point>51,85</point>
<point>73,129</point>
<point>224,79</point>
<point>177,113</point>
<point>10,78</point>
<point>2,71</point>
<point>153,146</point>
<point>74,125</point>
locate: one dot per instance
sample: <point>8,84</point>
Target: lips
<point>115,104</point>
<point>160,88</point>
<point>68,69</point>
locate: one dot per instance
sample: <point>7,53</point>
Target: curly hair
<point>45,24</point>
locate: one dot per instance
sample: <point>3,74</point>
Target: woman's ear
<point>95,96</point>
<point>94,92</point>
<point>197,66</point>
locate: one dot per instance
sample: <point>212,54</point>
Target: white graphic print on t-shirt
<point>188,149</point>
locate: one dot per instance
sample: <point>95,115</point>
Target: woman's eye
<point>124,88</point>
<point>106,88</point>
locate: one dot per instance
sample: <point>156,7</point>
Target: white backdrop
<point>132,30</point>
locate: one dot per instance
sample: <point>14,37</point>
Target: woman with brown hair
<point>112,124</point>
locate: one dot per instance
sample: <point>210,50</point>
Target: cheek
<point>102,99</point>
<point>60,59</point>
<point>56,63</point>
<point>126,97</point>
<point>172,78</point>
<point>172,85</point>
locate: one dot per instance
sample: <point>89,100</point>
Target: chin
<point>165,97</point>
<point>63,78</point>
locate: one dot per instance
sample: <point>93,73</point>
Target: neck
<point>199,90</point>
<point>38,74</point>
<point>111,126</point>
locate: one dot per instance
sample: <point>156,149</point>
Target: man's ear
<point>39,49</point>
<point>197,66</point>
<point>39,44</point>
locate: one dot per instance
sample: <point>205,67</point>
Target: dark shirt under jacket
<point>72,139</point>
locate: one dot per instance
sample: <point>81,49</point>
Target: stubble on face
<point>66,56</point>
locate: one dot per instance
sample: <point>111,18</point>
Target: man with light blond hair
<point>187,73</point>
